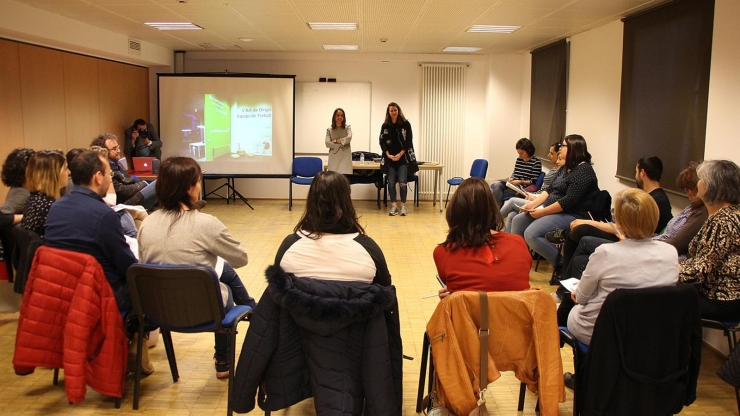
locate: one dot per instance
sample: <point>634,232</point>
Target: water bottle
<point>362,158</point>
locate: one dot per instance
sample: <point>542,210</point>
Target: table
<point>198,147</point>
<point>436,167</point>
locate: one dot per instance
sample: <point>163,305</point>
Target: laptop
<point>143,165</point>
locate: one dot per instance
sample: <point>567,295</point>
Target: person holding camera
<point>142,141</point>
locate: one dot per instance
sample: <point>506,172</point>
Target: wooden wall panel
<point>137,106</point>
<point>51,99</point>
<point>42,94</point>
<point>11,116</point>
<point>114,90</point>
<point>82,100</point>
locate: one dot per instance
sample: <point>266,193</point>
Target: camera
<point>143,134</point>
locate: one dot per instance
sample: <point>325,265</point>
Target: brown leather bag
<point>483,333</point>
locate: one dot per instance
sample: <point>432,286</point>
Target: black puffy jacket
<point>339,342</point>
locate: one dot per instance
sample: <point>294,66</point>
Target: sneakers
<point>558,236</point>
<point>394,211</point>
<point>222,368</point>
<point>403,210</point>
<point>146,365</point>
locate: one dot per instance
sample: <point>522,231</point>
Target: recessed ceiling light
<point>332,26</point>
<point>246,39</point>
<point>460,49</point>
<point>173,25</point>
<point>492,29</point>
<point>341,47</point>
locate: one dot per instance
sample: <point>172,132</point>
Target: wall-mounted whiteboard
<point>315,103</point>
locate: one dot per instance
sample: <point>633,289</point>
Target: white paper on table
<point>570,284</point>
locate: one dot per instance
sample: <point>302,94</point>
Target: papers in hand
<point>570,284</point>
<point>517,189</point>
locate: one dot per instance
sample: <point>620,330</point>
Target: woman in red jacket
<point>477,255</point>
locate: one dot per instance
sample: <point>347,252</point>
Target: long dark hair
<point>334,118</point>
<point>577,151</point>
<point>471,215</point>
<point>176,176</point>
<point>400,120</point>
<point>329,207</point>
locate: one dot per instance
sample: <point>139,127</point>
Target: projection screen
<point>231,124</point>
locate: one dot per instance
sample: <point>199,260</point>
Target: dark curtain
<point>665,85</point>
<point>548,101</point>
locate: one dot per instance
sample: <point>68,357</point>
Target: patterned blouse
<point>574,190</point>
<point>36,211</point>
<point>713,264</point>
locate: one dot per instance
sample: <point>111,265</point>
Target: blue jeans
<point>534,230</point>
<point>510,209</point>
<point>500,190</point>
<point>128,224</point>
<point>237,295</point>
<point>401,176</point>
<point>150,196</point>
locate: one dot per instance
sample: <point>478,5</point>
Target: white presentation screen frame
<point>239,124</point>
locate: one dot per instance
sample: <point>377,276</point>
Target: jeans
<point>500,190</point>
<point>510,209</point>
<point>237,295</point>
<point>579,260</point>
<point>400,175</point>
<point>128,224</point>
<point>534,230</point>
<point>150,196</point>
<point>577,234</point>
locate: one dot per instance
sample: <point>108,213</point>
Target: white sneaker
<point>394,211</point>
<point>403,210</point>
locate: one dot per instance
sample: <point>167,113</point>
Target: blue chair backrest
<point>307,166</point>
<point>479,168</point>
<point>539,180</point>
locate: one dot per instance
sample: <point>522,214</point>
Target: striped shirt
<point>527,171</point>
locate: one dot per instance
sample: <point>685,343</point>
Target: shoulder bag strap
<point>483,333</point>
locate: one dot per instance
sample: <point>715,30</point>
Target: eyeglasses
<point>115,148</point>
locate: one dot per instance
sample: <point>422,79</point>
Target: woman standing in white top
<point>338,137</point>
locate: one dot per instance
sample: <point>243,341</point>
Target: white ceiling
<point>410,26</point>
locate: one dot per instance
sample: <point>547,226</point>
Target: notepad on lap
<point>517,189</point>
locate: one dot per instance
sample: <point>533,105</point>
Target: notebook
<point>143,165</point>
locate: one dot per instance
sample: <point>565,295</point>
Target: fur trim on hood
<point>327,300</point>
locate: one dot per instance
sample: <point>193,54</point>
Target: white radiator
<point>442,130</point>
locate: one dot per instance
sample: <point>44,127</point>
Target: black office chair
<point>181,298</point>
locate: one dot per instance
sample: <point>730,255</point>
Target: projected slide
<point>234,124</point>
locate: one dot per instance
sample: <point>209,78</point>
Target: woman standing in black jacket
<point>399,160</point>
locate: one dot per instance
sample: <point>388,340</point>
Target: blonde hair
<point>636,213</point>
<point>43,172</point>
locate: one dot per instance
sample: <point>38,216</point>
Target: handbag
<point>483,333</point>
<point>432,400</point>
<point>437,409</point>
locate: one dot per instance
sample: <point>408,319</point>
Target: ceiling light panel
<point>466,49</point>
<point>173,25</point>
<point>493,29</point>
<point>332,26</point>
<point>341,47</point>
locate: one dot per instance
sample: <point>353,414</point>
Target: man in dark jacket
<point>338,342</point>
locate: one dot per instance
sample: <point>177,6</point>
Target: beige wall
<point>60,100</point>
